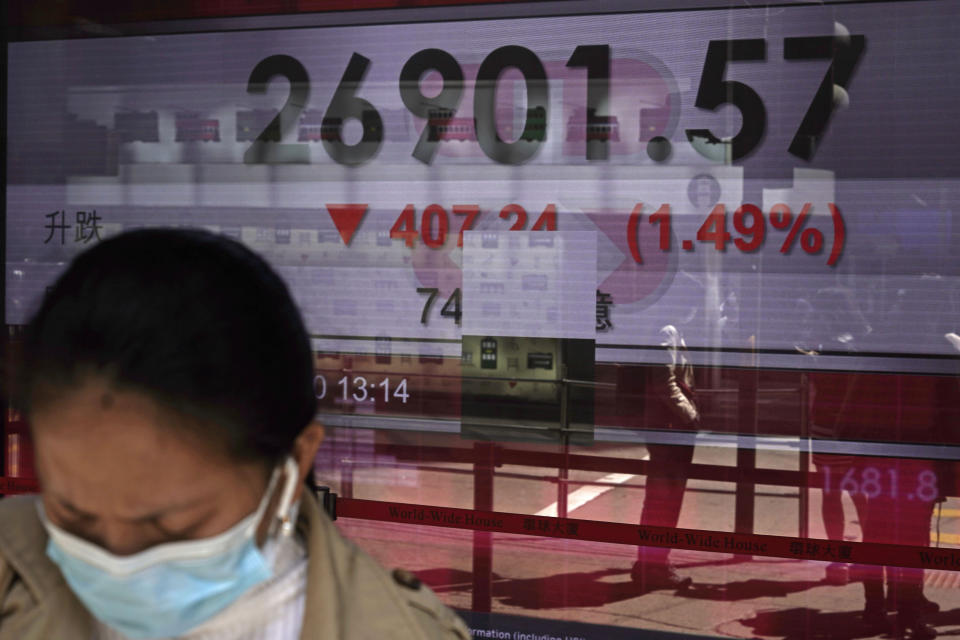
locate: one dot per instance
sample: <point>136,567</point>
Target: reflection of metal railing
<point>485,459</point>
<point>566,383</point>
<point>420,454</point>
<point>563,471</point>
<point>632,436</point>
<point>485,522</point>
<point>702,475</point>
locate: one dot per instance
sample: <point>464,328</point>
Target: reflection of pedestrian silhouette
<point>803,623</point>
<point>670,403</point>
<point>836,327</point>
<point>899,518</point>
<point>907,408</point>
<point>894,497</point>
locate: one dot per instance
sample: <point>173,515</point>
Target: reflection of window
<point>534,282</point>
<point>490,310</point>
<point>540,361</point>
<point>327,236</point>
<point>137,126</point>
<point>488,353</point>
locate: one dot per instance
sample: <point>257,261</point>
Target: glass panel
<point>623,320</point>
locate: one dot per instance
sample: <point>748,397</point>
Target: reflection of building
<point>526,388</point>
<point>383,350</point>
<point>396,124</point>
<point>443,126</point>
<point>488,353</point>
<point>92,150</point>
<point>586,124</point>
<point>653,122</point>
<point>252,124</point>
<point>136,126</point>
<point>534,375</point>
<point>192,128</point>
<point>534,282</point>
<point>331,127</point>
<point>539,240</point>
<point>324,236</point>
<point>311,126</point>
<point>535,127</point>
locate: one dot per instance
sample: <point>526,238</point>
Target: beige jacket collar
<point>349,595</point>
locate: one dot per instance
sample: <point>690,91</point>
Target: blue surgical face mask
<point>167,590</point>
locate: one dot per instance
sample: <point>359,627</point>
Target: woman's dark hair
<point>194,320</point>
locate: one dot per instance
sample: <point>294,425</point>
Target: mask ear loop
<point>284,512</point>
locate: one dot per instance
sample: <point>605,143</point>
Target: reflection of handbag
<point>682,365</point>
<point>691,397</point>
<point>687,391</point>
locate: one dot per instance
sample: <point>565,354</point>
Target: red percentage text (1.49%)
<point>750,223</point>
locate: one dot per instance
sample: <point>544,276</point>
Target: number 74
<point>450,309</point>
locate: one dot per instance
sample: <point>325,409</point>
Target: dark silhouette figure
<point>670,402</point>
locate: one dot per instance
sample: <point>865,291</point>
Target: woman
<point>168,381</point>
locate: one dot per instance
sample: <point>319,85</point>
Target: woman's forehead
<point>117,451</point>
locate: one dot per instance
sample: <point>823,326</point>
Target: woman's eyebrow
<point>158,513</point>
<point>75,509</point>
<point>148,516</point>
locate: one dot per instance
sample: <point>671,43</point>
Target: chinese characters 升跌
<point>86,228</point>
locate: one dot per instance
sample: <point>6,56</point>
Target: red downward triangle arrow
<point>347,218</point>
